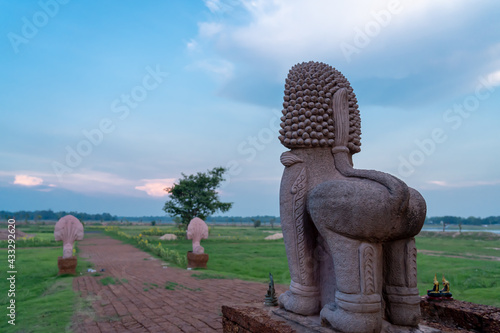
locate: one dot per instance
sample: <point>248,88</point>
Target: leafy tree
<point>196,196</point>
<point>256,223</point>
<point>178,222</point>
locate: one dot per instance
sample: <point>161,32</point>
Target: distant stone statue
<point>348,232</point>
<point>197,230</point>
<point>68,230</point>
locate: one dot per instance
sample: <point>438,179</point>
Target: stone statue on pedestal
<point>348,232</point>
<point>68,230</point>
<point>196,231</point>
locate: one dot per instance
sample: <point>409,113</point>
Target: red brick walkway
<point>141,303</point>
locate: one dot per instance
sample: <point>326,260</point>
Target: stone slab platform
<point>447,316</point>
<point>257,318</point>
<point>469,316</point>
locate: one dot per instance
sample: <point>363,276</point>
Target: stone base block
<point>464,315</point>
<point>67,265</point>
<point>197,260</point>
<point>257,318</point>
<point>452,316</point>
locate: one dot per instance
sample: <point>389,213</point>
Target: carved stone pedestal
<point>197,260</point>
<point>67,265</point>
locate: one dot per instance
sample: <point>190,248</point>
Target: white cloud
<point>92,182</point>
<point>438,182</point>
<point>221,68</point>
<point>462,184</point>
<point>284,32</point>
<point>26,180</point>
<point>218,6</point>
<point>213,5</point>
<point>209,29</point>
<point>192,45</point>
<point>493,79</point>
<point>156,187</point>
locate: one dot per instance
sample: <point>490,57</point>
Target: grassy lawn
<point>470,261</point>
<point>44,301</point>
<point>244,259</point>
<point>471,280</point>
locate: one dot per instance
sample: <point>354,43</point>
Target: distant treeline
<point>265,219</point>
<point>461,220</point>
<point>48,215</point>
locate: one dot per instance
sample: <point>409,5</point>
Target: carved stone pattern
<point>411,263</point>
<point>288,159</point>
<point>368,270</point>
<point>299,191</point>
<point>307,107</point>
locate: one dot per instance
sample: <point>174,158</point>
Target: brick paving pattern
<point>139,302</point>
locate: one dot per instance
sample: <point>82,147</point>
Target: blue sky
<point>103,104</point>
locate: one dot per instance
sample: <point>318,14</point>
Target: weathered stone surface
<point>196,260</point>
<point>481,318</point>
<point>256,318</point>
<point>253,318</point>
<point>168,237</point>
<point>67,265</point>
<point>68,230</point>
<point>197,230</point>
<point>348,232</point>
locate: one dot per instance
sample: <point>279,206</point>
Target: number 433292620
<point>11,250</point>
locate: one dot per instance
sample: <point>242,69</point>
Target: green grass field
<point>44,301</point>
<point>470,261</point>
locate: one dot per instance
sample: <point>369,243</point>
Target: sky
<point>104,104</point>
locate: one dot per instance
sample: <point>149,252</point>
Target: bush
<point>154,231</point>
<point>256,223</point>
<point>31,242</point>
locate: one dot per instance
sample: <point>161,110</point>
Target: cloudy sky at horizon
<point>105,104</point>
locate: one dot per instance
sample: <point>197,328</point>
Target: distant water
<point>463,230</point>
